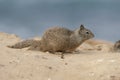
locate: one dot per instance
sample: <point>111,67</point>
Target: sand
<point>94,60</point>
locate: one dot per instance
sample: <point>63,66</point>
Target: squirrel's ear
<point>82,27</point>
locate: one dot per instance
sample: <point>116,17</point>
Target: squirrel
<point>57,39</point>
<point>116,46</point>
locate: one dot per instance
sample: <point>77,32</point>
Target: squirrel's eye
<point>87,32</point>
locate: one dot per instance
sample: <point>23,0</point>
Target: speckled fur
<point>117,46</point>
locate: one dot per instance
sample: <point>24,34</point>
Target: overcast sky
<point>28,18</point>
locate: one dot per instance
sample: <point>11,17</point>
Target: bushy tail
<point>23,44</point>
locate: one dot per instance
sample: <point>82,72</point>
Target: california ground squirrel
<point>57,39</point>
<point>117,46</point>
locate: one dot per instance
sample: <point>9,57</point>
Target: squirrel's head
<point>85,33</point>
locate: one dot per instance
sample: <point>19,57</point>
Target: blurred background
<point>29,18</point>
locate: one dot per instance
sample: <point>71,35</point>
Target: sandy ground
<point>94,61</point>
